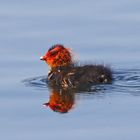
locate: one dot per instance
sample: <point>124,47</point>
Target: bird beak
<point>46,104</point>
<point>42,58</point>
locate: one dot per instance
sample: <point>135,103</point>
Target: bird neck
<point>63,67</point>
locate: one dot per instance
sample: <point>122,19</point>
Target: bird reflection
<point>61,100</point>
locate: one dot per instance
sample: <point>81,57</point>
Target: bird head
<point>57,56</point>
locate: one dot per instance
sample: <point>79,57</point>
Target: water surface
<point>104,32</point>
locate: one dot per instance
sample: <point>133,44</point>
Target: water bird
<point>65,73</point>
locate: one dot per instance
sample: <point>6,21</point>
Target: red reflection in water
<point>61,100</point>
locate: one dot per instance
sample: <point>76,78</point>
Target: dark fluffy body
<point>79,76</point>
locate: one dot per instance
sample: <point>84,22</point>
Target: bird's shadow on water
<point>62,100</point>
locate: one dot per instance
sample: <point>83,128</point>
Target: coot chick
<point>65,73</point>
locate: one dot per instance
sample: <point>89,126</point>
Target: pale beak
<point>41,58</point>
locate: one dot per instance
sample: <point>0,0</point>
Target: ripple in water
<point>126,81</point>
<point>37,82</point>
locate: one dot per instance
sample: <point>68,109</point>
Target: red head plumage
<point>57,55</point>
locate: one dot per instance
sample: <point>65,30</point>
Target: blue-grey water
<point>98,31</point>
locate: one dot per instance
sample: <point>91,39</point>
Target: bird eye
<point>53,53</point>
